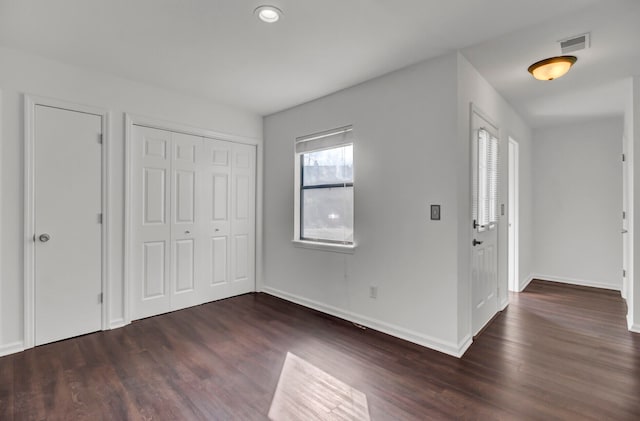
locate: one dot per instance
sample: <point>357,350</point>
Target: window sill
<point>336,248</point>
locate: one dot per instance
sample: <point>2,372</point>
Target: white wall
<point>473,88</point>
<point>578,203</point>
<point>404,160</point>
<point>412,143</point>
<point>20,73</point>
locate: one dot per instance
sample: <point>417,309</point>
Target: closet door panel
<point>218,193</point>
<point>186,236</point>
<point>243,218</point>
<point>151,224</point>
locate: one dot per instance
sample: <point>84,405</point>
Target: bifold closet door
<point>150,254</point>
<point>193,220</point>
<point>230,186</point>
<point>187,236</point>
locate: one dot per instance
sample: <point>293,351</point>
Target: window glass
<point>326,195</point>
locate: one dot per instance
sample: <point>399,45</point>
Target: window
<point>485,180</point>
<point>324,188</point>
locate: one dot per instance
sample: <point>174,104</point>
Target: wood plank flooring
<point>557,352</point>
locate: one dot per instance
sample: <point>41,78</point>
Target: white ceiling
<point>217,49</point>
<point>595,85</point>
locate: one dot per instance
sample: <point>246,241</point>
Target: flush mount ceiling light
<point>268,14</point>
<point>552,68</point>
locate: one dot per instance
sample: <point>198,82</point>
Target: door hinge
<point>624,215</point>
<point>100,138</point>
<point>624,273</point>
<point>624,158</point>
<point>99,218</point>
<point>100,297</point>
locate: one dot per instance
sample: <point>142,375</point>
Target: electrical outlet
<point>373,292</point>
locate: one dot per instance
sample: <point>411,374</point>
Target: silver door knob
<point>187,232</point>
<point>44,238</point>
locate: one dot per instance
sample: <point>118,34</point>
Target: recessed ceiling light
<point>268,14</point>
<point>552,68</point>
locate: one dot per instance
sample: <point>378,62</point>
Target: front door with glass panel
<point>484,247</point>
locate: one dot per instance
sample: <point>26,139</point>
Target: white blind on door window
<point>485,180</point>
<point>325,140</point>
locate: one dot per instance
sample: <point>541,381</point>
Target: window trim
<point>309,243</point>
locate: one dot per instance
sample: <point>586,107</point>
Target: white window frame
<point>342,136</point>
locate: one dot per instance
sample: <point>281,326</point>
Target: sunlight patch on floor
<point>305,392</point>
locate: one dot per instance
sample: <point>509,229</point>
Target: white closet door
<point>230,210</point>
<point>193,207</point>
<point>243,207</point>
<point>218,222</point>
<point>151,222</point>
<point>186,227</point>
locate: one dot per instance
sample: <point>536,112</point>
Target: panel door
<point>151,222</point>
<point>484,247</point>
<point>68,232</point>
<point>243,205</point>
<point>186,227</point>
<point>230,212</point>
<point>217,210</point>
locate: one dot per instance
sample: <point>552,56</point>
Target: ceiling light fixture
<point>552,68</point>
<point>268,14</point>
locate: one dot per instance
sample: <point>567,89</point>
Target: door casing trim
<point>30,102</point>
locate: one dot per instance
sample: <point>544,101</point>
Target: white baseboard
<point>118,323</point>
<point>526,283</point>
<point>11,348</point>
<point>633,327</point>
<point>572,281</point>
<point>503,305</point>
<point>456,350</point>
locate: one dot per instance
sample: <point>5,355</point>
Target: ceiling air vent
<point>577,43</point>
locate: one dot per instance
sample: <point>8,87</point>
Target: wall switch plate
<point>435,212</point>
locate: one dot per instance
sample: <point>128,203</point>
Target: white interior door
<point>218,217</point>
<point>187,235</point>
<point>151,224</point>
<point>193,222</point>
<point>484,248</point>
<point>230,185</point>
<point>626,247</point>
<point>68,231</point>
<point>243,219</point>
<point>513,272</point>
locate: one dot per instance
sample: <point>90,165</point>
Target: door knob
<point>187,232</point>
<point>624,231</point>
<point>44,238</point>
<point>476,242</point>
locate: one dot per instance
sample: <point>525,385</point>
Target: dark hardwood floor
<point>557,352</point>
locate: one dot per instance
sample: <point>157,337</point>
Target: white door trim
<point>515,285</point>
<point>132,119</point>
<point>30,102</point>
